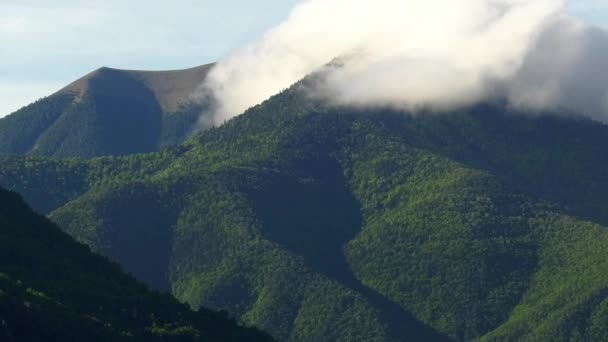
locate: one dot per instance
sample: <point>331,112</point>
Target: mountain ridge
<point>317,223</point>
<point>54,289</point>
<point>110,112</point>
<point>332,223</point>
<point>171,88</point>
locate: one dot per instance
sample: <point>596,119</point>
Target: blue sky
<point>593,11</point>
<point>47,44</point>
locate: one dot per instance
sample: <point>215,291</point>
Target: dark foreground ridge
<point>54,289</point>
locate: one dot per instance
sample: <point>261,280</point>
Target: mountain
<point>109,112</point>
<point>333,224</point>
<point>54,289</point>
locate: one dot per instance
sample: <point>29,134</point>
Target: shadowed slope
<point>54,289</point>
<point>109,112</point>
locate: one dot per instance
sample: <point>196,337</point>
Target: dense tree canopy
<point>54,289</point>
<point>320,224</point>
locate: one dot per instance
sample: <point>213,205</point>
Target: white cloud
<point>402,53</point>
<point>423,53</point>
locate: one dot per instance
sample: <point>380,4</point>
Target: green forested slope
<point>54,289</point>
<point>109,112</point>
<point>325,225</point>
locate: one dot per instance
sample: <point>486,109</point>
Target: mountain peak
<point>109,112</point>
<point>171,88</point>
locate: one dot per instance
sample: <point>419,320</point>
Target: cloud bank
<point>412,54</point>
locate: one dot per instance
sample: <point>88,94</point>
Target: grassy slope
<point>341,226</point>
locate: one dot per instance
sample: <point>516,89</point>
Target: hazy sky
<point>593,11</point>
<point>46,44</point>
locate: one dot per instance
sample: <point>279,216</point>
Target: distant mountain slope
<point>54,289</point>
<point>321,224</point>
<point>108,112</point>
